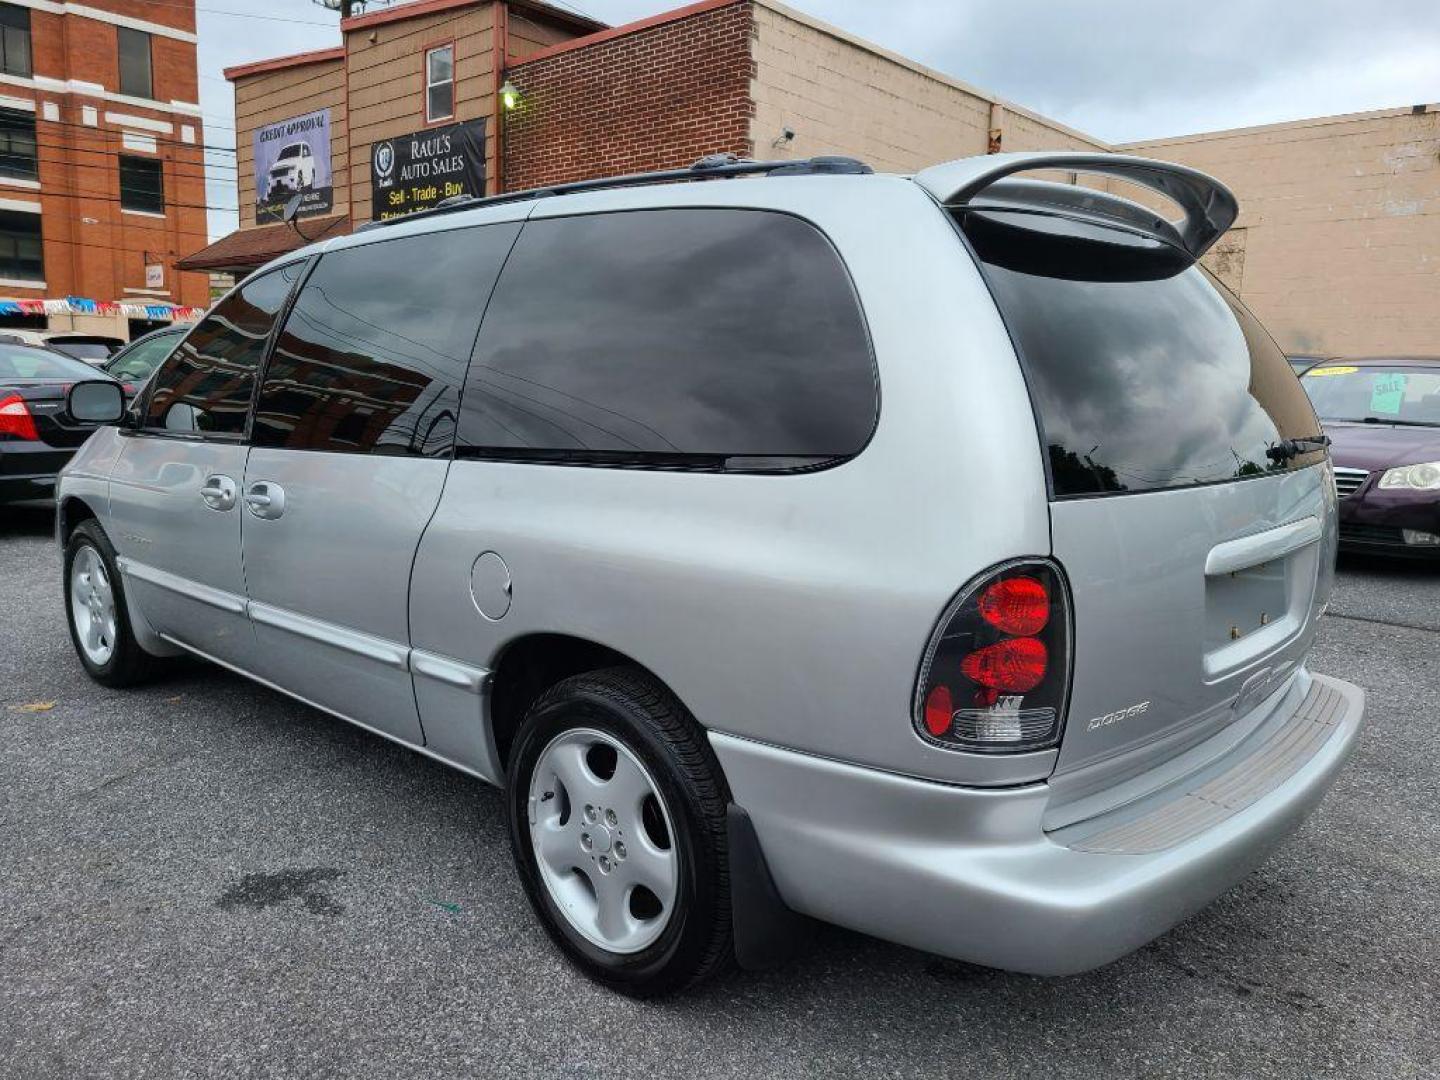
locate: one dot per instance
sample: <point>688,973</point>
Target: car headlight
<point>1424,477</point>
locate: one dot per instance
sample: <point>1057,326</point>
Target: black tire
<point>129,664</point>
<point>632,707</point>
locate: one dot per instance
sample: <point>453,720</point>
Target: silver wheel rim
<point>597,841</point>
<point>92,606</point>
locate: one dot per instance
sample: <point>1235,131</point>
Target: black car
<point>92,348</point>
<point>36,437</point>
<point>138,360</point>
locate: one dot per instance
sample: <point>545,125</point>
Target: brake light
<point>996,673</point>
<point>1015,665</point>
<point>15,419</point>
<point>1017,605</point>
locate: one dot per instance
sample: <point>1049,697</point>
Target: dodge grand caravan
<point>936,555</point>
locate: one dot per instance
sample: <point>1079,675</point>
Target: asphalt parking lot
<point>203,878</point>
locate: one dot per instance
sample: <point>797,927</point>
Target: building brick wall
<point>843,95</point>
<point>655,97</point>
<point>1337,247</point>
<point>92,247</point>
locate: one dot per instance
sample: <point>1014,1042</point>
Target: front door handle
<point>219,492</point>
<point>265,500</point>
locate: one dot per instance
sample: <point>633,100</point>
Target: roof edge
<point>279,63</point>
<point>610,33</point>
<point>1282,125</point>
<point>417,8</point>
<point>930,73</point>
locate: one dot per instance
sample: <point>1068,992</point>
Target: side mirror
<point>95,401</point>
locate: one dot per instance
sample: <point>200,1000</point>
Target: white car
<point>293,171</point>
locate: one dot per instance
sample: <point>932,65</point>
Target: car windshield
<point>138,361</point>
<point>1382,395</point>
<point>23,362</point>
<point>289,152</point>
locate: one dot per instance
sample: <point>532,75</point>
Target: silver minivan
<point>937,556</point>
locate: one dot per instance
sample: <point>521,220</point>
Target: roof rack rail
<point>713,167</point>
<point>1209,206</point>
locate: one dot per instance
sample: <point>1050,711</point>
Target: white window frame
<point>449,47</point>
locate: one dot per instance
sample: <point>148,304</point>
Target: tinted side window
<point>207,383</point>
<point>679,334</point>
<point>373,355</point>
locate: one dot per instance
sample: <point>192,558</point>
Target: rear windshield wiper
<point>1396,420</point>
<point>1289,449</point>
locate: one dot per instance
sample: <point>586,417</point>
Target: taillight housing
<point>15,419</point>
<point>996,675</point>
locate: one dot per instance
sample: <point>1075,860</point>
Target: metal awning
<point>246,249</point>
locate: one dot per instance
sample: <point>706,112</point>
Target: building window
<point>135,62</point>
<point>142,185</point>
<point>440,83</point>
<point>18,159</point>
<point>22,256</point>
<point>15,40</point>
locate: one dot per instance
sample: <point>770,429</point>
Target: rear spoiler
<point>1210,207</point>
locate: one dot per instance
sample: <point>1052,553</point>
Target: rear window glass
<point>83,350</point>
<point>1390,395</point>
<point>1144,372</point>
<point>686,338</point>
<point>18,362</point>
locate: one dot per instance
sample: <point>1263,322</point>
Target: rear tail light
<point>997,671</point>
<point>15,419</point>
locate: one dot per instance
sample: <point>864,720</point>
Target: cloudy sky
<point>1118,69</point>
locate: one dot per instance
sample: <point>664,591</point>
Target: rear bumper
<point>28,470</point>
<point>971,874</point>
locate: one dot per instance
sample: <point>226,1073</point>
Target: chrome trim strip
<point>205,594</point>
<point>448,671</point>
<point>418,748</point>
<point>351,641</point>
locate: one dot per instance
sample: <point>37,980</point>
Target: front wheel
<point>617,822</point>
<point>96,610</point>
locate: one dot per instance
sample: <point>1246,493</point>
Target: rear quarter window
<point>1145,373</point>
<point>672,338</point>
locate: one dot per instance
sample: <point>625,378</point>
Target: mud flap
<point>767,933</point>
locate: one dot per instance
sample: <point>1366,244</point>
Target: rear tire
<point>590,751</point>
<point>97,613</point>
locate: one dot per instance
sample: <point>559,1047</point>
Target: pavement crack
<point>1382,622</point>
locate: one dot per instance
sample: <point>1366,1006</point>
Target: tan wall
<point>1337,247</point>
<point>279,95</point>
<point>527,34</point>
<point>843,95</point>
<point>387,85</point>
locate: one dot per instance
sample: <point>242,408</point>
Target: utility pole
<point>347,8</point>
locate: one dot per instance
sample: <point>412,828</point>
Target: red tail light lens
<point>1012,666</point>
<point>15,419</point>
<point>1017,605</point>
<point>996,673</point>
<point>939,709</point>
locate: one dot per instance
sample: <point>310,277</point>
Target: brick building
<point>102,184</point>
<point>438,97</point>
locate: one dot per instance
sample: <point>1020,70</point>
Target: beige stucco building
<point>1337,247</point>
<point>1338,243</point>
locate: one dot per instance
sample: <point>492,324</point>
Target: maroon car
<point>1383,417</point>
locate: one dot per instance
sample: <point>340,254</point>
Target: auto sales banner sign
<point>421,170</point>
<point>293,158</point>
